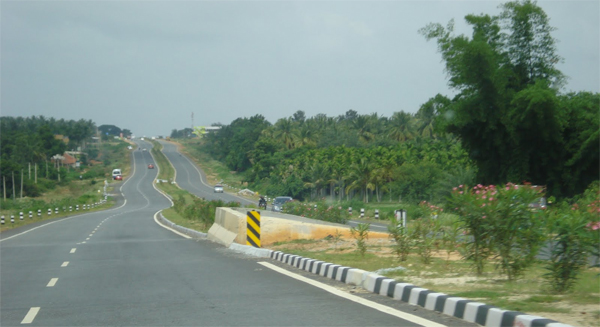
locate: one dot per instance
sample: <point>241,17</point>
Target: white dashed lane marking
<point>66,263</point>
<point>30,315</point>
<point>73,250</point>
<point>52,282</point>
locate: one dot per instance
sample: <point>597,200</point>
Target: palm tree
<point>360,177</point>
<point>319,175</point>
<point>286,132</point>
<point>401,126</point>
<point>363,126</point>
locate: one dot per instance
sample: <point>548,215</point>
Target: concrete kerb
<point>189,232</point>
<point>461,308</point>
<point>471,311</point>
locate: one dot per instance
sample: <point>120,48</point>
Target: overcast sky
<point>148,65</point>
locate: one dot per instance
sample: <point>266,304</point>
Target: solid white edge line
<point>30,316</point>
<point>63,219</point>
<point>354,298</point>
<point>167,227</point>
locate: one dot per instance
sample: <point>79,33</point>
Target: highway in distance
<point>120,267</point>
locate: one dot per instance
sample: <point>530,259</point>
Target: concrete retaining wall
<point>276,229</point>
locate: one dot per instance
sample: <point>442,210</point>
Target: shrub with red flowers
<point>574,231</point>
<point>501,224</point>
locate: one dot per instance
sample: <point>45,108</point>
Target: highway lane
<point>119,267</point>
<point>192,179</point>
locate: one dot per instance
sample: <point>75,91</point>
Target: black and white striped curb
<point>471,311</point>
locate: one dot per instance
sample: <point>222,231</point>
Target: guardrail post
<point>12,219</point>
<point>400,217</point>
<point>49,212</point>
<point>21,215</point>
<point>2,220</point>
<point>30,214</point>
<point>362,212</point>
<point>376,213</point>
<point>56,210</point>
<point>350,211</point>
<point>39,212</point>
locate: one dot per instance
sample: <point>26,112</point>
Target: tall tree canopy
<point>508,111</point>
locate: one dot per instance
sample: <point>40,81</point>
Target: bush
<point>500,222</point>
<point>574,237</point>
<point>322,211</point>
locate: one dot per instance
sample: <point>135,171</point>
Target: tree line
<point>30,143</point>
<point>509,122</point>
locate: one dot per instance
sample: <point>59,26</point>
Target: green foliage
<point>32,141</point>
<point>424,233</point>
<point>402,239</point>
<point>507,112</point>
<point>574,236</point>
<point>234,143</point>
<point>500,222</point>
<point>199,209</point>
<point>320,210</point>
<point>361,234</point>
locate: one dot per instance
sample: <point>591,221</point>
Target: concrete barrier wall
<point>279,229</point>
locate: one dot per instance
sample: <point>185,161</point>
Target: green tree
<point>506,111</point>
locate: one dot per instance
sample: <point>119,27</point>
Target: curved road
<point>119,267</point>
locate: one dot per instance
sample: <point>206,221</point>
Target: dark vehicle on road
<point>279,202</point>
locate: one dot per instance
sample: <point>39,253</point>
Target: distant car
<point>150,166</point>
<point>129,147</point>
<point>218,188</point>
<point>116,172</point>
<point>118,178</point>
<point>279,202</point>
<point>144,149</point>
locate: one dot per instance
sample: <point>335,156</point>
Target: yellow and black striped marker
<point>253,228</point>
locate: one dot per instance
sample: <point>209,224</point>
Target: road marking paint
<point>87,239</point>
<point>167,227</point>
<point>73,250</point>
<point>30,315</point>
<point>92,234</point>
<point>83,242</point>
<point>354,298</point>
<point>64,264</point>
<point>60,220</point>
<point>52,282</point>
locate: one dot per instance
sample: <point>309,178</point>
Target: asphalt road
<point>119,267</point>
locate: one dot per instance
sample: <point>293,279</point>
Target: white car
<point>218,188</point>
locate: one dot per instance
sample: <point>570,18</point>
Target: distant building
<point>62,138</point>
